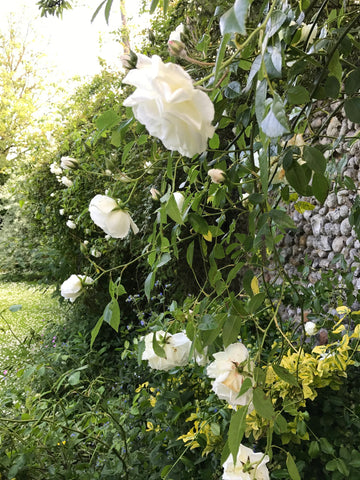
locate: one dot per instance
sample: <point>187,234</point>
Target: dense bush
<point>200,290</point>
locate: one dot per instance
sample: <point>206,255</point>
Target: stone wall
<point>324,232</point>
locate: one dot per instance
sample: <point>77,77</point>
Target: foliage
<point>207,260</point>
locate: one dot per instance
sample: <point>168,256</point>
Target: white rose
<point>66,181</point>
<point>229,370</point>
<point>155,194</point>
<point>310,328</point>
<point>176,34</point>
<point>55,169</point>
<point>216,175</point>
<point>73,287</point>
<point>106,214</point>
<point>177,350</point>
<point>179,199</point>
<point>68,162</point>
<point>169,106</point>
<point>71,224</point>
<point>61,211</point>
<point>249,466</point>
<point>95,253</point>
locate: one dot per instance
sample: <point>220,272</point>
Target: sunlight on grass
<point>19,329</point>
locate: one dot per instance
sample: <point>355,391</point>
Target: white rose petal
<point>310,328</point>
<point>229,370</point>
<point>66,181</point>
<point>68,163</point>
<point>179,199</point>
<point>169,106</point>
<point>254,463</point>
<point>176,34</point>
<point>106,214</point>
<point>216,175</point>
<point>73,287</point>
<point>55,169</point>
<point>71,224</point>
<point>61,211</point>
<point>177,350</point>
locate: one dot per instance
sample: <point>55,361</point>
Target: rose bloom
<point>229,370</point>
<point>169,106</point>
<point>155,194</point>
<point>310,328</point>
<point>106,214</point>
<point>216,175</point>
<point>177,350</point>
<point>249,466</point>
<point>176,34</point>
<point>55,169</point>
<point>71,224</point>
<point>66,181</point>
<point>68,162</point>
<point>73,287</point>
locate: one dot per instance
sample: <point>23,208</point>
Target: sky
<point>71,44</point>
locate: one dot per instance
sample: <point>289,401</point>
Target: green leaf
<point>164,259</point>
<point>352,82</point>
<point>149,284</point>
<point>325,446</point>
<point>256,302</point>
<point>247,384</point>
<point>173,211</point>
<point>320,187</point>
<point>285,375</point>
<point>233,21</point>
<point>352,109</point>
<point>231,329</point>
<point>292,468</point>
<point>298,95</point>
<point>236,430</point>
<point>263,404</point>
<point>166,470</point>
<point>234,271</point>
<point>302,206</point>
<point>74,378</point>
<point>112,314</point>
<point>220,56</point>
<point>314,449</point>
<point>276,20</point>
<point>153,5</point>
<point>97,11</point>
<point>297,178</point>
<point>332,87</point>
<point>107,120</point>
<point>214,143</point>
<point>95,330</point>
<point>107,10</point>
<point>260,97</point>
<point>280,424</point>
<point>158,349</point>
<point>282,219</point>
<point>208,322</point>
<point>15,308</point>
<point>190,254</point>
<point>232,90</point>
<point>198,223</point>
<point>315,159</point>
<point>126,150</point>
<point>275,123</point>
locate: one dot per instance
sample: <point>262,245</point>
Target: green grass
<point>21,329</point>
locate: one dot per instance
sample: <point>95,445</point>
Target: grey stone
<point>322,254</point>
<point>323,210</point>
<point>338,244</point>
<point>331,200</point>
<point>357,244</point>
<point>324,263</point>
<point>335,229</point>
<point>307,215</point>
<point>345,227</point>
<point>353,253</point>
<point>317,223</point>
<point>344,212</point>
<point>350,241</point>
<point>322,243</point>
<point>310,241</point>
<point>328,228</point>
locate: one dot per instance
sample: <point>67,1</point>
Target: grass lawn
<point>20,327</point>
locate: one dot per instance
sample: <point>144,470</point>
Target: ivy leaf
<point>315,159</point>
<point>282,219</point>
<point>233,21</point>
<point>298,95</point>
<point>352,82</point>
<point>198,223</point>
